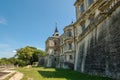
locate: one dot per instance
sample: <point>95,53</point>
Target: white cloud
<point>14,51</point>
<point>3,21</point>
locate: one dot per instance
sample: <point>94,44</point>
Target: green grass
<point>42,73</point>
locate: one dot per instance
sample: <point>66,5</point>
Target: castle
<point>92,43</point>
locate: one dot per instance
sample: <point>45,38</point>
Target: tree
<point>12,60</point>
<point>5,61</point>
<point>28,54</point>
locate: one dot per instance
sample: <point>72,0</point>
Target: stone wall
<point>99,51</point>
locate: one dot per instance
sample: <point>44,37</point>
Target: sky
<point>31,22</point>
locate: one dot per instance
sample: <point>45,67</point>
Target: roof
<point>56,30</point>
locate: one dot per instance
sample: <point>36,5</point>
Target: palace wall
<point>99,51</point>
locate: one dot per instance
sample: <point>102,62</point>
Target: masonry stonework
<point>92,43</point>
<point>99,51</point>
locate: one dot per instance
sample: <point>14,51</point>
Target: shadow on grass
<point>54,74</point>
<point>69,75</point>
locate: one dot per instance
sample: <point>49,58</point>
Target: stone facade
<point>67,47</point>
<point>98,43</point>
<point>92,43</point>
<point>52,50</point>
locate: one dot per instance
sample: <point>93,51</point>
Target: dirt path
<point>6,73</point>
<point>17,76</point>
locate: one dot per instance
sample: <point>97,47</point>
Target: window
<point>55,59</point>
<point>57,34</point>
<point>69,33</point>
<point>55,43</point>
<point>83,26</point>
<point>90,2</point>
<point>70,46</point>
<point>70,57</point>
<point>91,18</point>
<point>82,9</point>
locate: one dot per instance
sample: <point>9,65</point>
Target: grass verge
<point>42,73</point>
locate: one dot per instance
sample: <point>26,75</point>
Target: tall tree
<point>29,54</point>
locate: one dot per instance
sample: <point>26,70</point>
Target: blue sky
<point>31,22</point>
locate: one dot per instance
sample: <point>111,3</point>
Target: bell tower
<point>56,33</point>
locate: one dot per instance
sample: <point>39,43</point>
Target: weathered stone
<point>103,49</point>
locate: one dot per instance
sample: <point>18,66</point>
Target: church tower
<point>56,33</point>
<point>52,49</point>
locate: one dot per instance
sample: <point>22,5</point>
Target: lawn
<point>42,73</point>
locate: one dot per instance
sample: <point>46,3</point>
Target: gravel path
<point>17,76</point>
